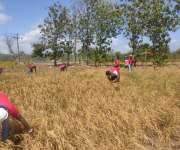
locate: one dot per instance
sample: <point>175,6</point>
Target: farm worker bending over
<point>6,109</point>
<point>113,74</point>
<point>1,70</point>
<point>62,67</point>
<point>32,68</point>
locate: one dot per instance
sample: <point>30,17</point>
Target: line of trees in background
<point>93,23</point>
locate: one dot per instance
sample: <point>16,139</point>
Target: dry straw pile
<point>81,110</point>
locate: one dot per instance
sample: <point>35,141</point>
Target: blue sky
<point>23,17</point>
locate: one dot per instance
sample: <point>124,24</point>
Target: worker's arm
<point>16,114</point>
<point>25,123</point>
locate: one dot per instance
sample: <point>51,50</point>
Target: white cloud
<point>3,47</point>
<point>4,18</point>
<point>25,41</point>
<point>120,44</point>
<point>31,36</point>
<point>174,44</point>
<point>28,39</point>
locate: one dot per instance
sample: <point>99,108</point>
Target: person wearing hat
<point>8,109</point>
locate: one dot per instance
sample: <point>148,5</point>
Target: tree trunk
<point>68,58</point>
<point>75,55</point>
<point>87,55</point>
<point>95,63</point>
<point>55,62</point>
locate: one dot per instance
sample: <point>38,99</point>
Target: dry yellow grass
<point>80,109</point>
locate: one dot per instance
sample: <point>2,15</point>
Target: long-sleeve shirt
<point>6,103</point>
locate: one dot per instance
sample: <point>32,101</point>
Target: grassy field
<point>81,110</point>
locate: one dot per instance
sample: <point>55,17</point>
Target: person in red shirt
<point>130,62</point>
<point>116,63</point>
<point>113,74</point>
<point>1,70</point>
<point>6,109</point>
<point>126,62</point>
<point>32,68</point>
<point>62,67</point>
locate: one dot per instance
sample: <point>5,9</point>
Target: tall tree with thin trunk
<point>86,26</point>
<point>54,30</point>
<point>153,19</point>
<point>133,29</point>
<point>160,17</point>
<point>10,42</point>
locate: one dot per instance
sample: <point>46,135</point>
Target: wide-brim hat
<point>3,114</point>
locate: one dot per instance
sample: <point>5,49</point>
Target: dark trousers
<point>5,130</point>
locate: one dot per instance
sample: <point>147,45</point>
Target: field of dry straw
<point>81,110</point>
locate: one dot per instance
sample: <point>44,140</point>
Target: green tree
<point>99,22</point>
<point>106,26</point>
<point>69,35</point>
<point>177,5</point>
<point>144,52</point>
<point>86,26</point>
<point>54,30</point>
<point>133,29</point>
<point>153,19</point>
<point>159,18</point>
<point>38,50</point>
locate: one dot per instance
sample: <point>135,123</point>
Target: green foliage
<point>144,52</point>
<point>55,29</point>
<point>86,26</point>
<point>38,50</point>
<point>153,19</point>
<point>118,55</point>
<point>96,22</point>
<point>174,56</point>
<point>133,28</point>
<point>99,22</point>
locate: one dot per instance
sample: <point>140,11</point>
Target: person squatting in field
<point>62,67</point>
<point>8,109</point>
<point>32,68</point>
<point>1,70</point>
<point>113,74</point>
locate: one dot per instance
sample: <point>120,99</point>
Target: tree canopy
<point>95,22</point>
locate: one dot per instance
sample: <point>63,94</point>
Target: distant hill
<point>6,57</point>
